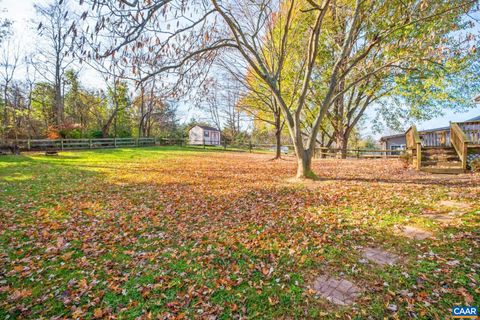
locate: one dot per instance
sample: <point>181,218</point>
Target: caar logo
<point>463,312</point>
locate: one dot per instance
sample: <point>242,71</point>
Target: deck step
<point>432,150</point>
<point>441,163</point>
<point>440,158</point>
<point>442,170</point>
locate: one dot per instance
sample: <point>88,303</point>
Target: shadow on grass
<point>420,180</point>
<point>278,231</point>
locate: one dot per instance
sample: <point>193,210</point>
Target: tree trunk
<point>304,165</point>
<point>141,124</point>
<point>342,144</point>
<point>108,124</point>
<point>5,112</point>
<point>278,137</point>
<point>278,147</point>
<point>344,148</point>
<point>58,95</point>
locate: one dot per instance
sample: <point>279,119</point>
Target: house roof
<point>398,135</point>
<point>435,129</point>
<point>477,118</point>
<point>207,128</point>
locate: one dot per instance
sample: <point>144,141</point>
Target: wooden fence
<point>103,143</point>
<point>358,153</point>
<point>79,144</point>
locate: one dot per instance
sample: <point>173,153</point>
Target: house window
<point>206,134</point>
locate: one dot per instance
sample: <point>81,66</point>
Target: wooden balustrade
<point>414,144</point>
<point>460,142</point>
<point>440,138</point>
<point>472,131</point>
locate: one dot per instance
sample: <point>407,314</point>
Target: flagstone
<point>380,256</point>
<point>416,233</point>
<point>443,217</point>
<point>336,290</point>
<point>454,204</point>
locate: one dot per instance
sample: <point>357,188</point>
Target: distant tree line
<point>43,95</point>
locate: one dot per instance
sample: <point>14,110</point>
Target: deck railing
<point>460,142</point>
<point>414,144</point>
<point>440,138</point>
<point>472,131</point>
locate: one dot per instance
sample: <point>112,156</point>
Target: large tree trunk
<point>341,143</point>
<point>108,124</point>
<point>341,139</point>
<point>304,165</point>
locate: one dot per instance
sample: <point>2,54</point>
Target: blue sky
<point>21,12</point>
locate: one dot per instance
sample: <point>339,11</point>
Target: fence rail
<point>104,143</point>
<point>78,144</point>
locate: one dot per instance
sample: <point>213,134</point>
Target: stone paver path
<point>444,218</point>
<point>339,291</point>
<point>415,233</point>
<point>454,204</point>
<point>380,256</point>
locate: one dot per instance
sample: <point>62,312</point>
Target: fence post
<point>61,144</point>
<point>358,153</point>
<point>89,143</point>
<point>204,142</point>
<point>136,142</point>
<point>225,145</point>
<point>28,144</point>
<point>250,147</point>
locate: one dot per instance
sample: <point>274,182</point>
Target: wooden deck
<point>444,151</point>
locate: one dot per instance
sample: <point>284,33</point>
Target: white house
<point>204,135</point>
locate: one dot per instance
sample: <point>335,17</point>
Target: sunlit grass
<point>184,232</point>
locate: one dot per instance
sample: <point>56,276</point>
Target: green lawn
<point>175,232</point>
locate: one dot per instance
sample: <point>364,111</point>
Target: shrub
<point>475,165</point>
<point>52,133</point>
<point>74,134</point>
<point>69,130</point>
<point>93,134</point>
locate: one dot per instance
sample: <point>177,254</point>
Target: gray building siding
<point>394,142</point>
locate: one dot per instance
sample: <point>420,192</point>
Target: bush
<point>68,130</point>
<point>475,165</point>
<point>74,134</point>
<point>52,133</point>
<point>94,134</point>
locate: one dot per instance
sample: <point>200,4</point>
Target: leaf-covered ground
<point>178,233</point>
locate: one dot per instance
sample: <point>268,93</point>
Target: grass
<point>176,232</point>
